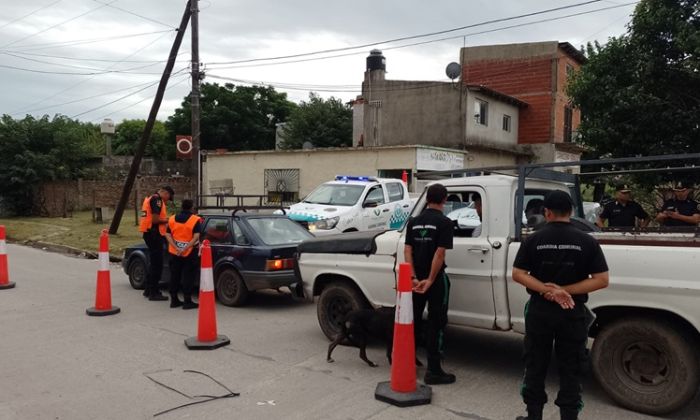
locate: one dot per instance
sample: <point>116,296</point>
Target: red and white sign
<point>183,144</point>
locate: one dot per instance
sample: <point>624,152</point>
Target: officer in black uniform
<point>623,212</point>
<point>428,237</point>
<point>559,265</point>
<point>681,210</point>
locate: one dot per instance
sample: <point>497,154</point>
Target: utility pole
<point>194,102</point>
<point>146,136</point>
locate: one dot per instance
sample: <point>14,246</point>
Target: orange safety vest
<point>147,217</point>
<point>182,234</point>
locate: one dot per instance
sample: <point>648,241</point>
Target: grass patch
<point>78,231</point>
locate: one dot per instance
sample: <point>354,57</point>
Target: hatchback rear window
<point>278,230</point>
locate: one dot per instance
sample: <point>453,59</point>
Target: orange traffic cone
<point>403,390</point>
<point>207,338</point>
<point>5,282</point>
<point>103,297</point>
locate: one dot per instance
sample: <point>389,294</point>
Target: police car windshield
<point>336,194</point>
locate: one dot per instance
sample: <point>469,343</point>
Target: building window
<point>569,71</point>
<point>481,112</point>
<point>282,185</point>
<point>568,124</point>
<point>506,123</point>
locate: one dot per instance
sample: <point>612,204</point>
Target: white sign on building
<point>438,160</point>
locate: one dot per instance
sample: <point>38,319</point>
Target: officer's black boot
<point>175,301</point>
<point>533,413</point>
<point>568,414</point>
<point>435,375</point>
<point>189,304</point>
<point>157,296</point>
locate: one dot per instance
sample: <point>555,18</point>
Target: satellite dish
<point>453,70</point>
<point>307,145</point>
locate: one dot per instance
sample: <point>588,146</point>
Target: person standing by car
<point>154,218</point>
<point>182,235</point>
<point>428,237</point>
<point>624,211</point>
<point>681,210</point>
<point>559,265</point>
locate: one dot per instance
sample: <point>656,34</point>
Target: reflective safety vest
<point>147,216</point>
<point>182,234</point>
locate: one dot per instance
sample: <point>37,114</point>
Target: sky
<point>97,59</point>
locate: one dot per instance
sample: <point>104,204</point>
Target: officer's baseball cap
<point>680,186</point>
<point>170,191</point>
<point>558,201</point>
<point>623,188</point>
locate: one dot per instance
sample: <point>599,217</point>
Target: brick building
<point>535,73</point>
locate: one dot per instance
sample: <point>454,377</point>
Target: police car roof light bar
<point>347,178</point>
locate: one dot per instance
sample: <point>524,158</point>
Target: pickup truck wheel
<point>230,288</point>
<point>336,300</point>
<point>646,365</point>
<point>137,273</point>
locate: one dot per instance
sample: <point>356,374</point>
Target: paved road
<point>58,363</point>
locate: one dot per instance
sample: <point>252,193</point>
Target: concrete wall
<point>247,169</point>
<point>409,112</point>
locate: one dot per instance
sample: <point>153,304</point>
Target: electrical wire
<point>33,12</point>
<point>57,24</point>
<point>63,57</point>
<point>135,14</point>
<point>407,38</point>
<point>83,41</point>
<point>98,70</point>
<point>428,41</point>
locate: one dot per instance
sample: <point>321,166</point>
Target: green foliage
<point>324,123</point>
<point>35,150</point>
<point>128,134</point>
<point>640,93</point>
<point>234,117</point>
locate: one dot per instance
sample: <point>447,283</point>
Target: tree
<point>234,117</point>
<point>640,93</point>
<point>128,134</point>
<point>36,150</point>
<point>324,123</point>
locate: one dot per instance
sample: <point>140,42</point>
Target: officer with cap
<point>559,265</point>
<point>153,225</point>
<point>681,210</point>
<point>623,212</point>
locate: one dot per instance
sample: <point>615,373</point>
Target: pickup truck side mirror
<point>370,204</point>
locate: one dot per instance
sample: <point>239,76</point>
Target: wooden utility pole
<point>146,136</point>
<point>194,102</point>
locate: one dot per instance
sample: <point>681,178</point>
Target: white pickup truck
<point>646,346</point>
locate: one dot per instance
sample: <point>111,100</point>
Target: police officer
<point>559,265</point>
<point>681,210</point>
<point>183,236</point>
<point>623,212</point>
<point>428,236</point>
<point>154,218</point>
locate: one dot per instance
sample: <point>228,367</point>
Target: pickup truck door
<point>469,265</point>
<point>375,212</point>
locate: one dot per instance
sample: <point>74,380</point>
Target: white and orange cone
<point>103,295</point>
<point>403,390</point>
<point>5,282</point>
<point>207,337</point>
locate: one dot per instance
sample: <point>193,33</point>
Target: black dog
<point>358,326</point>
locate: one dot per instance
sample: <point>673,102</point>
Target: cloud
<point>239,30</point>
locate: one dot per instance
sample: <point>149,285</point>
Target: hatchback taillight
<point>279,264</point>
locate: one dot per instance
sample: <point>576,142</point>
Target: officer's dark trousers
<point>547,324</point>
<point>155,243</point>
<point>437,298</point>
<point>182,274</point>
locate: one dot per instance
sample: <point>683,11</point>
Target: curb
<point>62,249</point>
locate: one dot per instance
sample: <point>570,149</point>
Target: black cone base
<point>9,285</point>
<point>193,344</point>
<point>102,312</point>
<point>421,396</point>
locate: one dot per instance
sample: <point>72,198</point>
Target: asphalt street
<point>58,363</point>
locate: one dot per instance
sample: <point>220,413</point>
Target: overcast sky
<point>113,55</point>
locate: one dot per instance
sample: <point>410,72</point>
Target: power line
<point>99,70</point>
<point>135,14</point>
<point>68,73</point>
<point>429,41</point>
<point>33,12</point>
<point>63,57</point>
<point>407,38</point>
<point>82,41</point>
<point>57,24</point>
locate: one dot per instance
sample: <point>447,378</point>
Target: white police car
<point>354,203</point>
